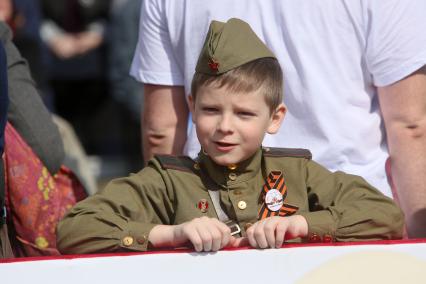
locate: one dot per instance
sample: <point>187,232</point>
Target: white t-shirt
<point>333,54</point>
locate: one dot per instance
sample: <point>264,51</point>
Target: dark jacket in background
<point>74,16</point>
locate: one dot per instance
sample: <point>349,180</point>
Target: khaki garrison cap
<point>229,45</point>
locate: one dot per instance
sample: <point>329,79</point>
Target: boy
<point>235,193</point>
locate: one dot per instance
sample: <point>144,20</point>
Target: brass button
<point>196,166</point>
<point>247,226</point>
<point>242,205</point>
<point>237,192</point>
<point>232,167</point>
<point>127,241</point>
<point>232,176</point>
<point>314,238</point>
<point>327,238</point>
<point>141,240</point>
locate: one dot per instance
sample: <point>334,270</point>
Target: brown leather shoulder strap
<point>180,163</point>
<point>287,152</point>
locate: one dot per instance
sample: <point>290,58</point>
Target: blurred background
<point>79,53</point>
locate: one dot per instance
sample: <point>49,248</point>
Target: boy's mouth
<point>224,144</point>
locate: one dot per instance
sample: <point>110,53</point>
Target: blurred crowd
<point>79,53</point>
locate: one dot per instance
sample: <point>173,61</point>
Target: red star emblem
<point>214,65</point>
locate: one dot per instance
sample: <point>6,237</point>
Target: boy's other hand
<point>271,232</point>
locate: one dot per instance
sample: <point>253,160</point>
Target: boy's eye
<point>246,113</point>
<point>209,109</point>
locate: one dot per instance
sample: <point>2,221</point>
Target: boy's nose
<point>225,124</point>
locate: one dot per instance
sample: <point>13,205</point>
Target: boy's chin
<point>226,161</point>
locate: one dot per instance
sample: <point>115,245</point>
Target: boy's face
<point>231,127</point>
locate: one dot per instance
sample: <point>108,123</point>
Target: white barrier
<point>380,262</point>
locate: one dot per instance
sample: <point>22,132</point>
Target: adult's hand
<point>64,46</point>
<point>87,41</point>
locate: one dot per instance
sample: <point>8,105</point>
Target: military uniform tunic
<point>337,206</point>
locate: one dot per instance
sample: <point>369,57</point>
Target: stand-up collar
<point>233,174</point>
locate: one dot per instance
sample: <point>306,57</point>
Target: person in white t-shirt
<point>352,68</point>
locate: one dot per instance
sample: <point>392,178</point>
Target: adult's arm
<point>164,120</point>
<point>27,112</point>
<point>4,101</point>
<point>403,105</point>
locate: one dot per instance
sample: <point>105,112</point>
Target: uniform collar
<point>226,176</point>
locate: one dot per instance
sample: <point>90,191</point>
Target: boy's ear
<point>277,118</point>
<point>191,106</point>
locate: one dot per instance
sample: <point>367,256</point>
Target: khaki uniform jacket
<point>170,190</point>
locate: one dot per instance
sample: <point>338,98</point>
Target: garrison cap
<point>229,45</point>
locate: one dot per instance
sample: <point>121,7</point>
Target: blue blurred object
<point>123,37</point>
<point>28,41</point>
<point>30,11</point>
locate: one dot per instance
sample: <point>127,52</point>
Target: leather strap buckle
<point>235,228</point>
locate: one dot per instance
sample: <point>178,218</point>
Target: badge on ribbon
<point>203,205</point>
<point>274,192</point>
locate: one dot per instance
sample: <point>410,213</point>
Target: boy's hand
<point>271,232</point>
<point>205,234</point>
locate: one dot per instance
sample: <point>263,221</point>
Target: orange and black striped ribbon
<point>275,180</point>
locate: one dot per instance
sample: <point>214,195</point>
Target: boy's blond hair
<point>262,74</point>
